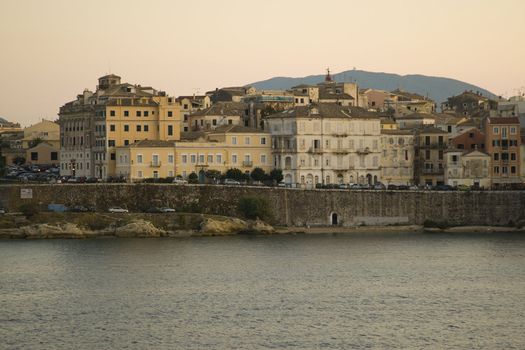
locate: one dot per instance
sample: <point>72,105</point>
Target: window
<point>193,158</point>
<point>513,130</point>
<point>496,156</point>
<point>246,140</point>
<point>185,106</point>
<point>263,140</point>
<point>184,159</point>
<point>170,158</point>
<point>138,113</point>
<point>112,127</point>
<point>513,156</point>
<point>112,156</point>
<point>170,114</point>
<point>54,155</point>
<point>146,113</point>
<point>495,130</point>
<point>513,170</point>
<point>263,158</point>
<point>126,128</point>
<point>126,142</point>
<point>126,113</point>
<point>218,158</point>
<point>170,130</point>
<point>139,174</point>
<point>504,170</point>
<point>234,158</point>
<point>230,122</point>
<point>34,155</point>
<point>210,158</point>
<point>234,140</point>
<point>201,158</point>
<point>504,133</point>
<point>170,173</point>
<point>111,113</point>
<point>427,140</point>
<point>139,158</point>
<point>139,127</point>
<point>427,154</point>
<point>214,121</point>
<point>111,143</point>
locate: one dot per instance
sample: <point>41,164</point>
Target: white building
<point>324,143</point>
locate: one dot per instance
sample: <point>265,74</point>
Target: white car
<point>178,181</point>
<point>231,182</point>
<point>167,210</point>
<point>2,211</point>
<point>118,210</point>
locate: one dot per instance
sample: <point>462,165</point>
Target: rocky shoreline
<point>95,225</point>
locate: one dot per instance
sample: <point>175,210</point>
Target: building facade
<point>430,144</point>
<point>116,114</point>
<point>503,139</point>
<point>326,144</point>
<point>397,158</point>
<point>468,168</point>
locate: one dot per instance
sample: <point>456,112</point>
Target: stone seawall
<point>291,207</point>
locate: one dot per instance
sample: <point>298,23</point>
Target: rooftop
<point>325,110</point>
<point>152,143</point>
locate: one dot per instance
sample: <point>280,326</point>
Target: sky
<point>52,50</point>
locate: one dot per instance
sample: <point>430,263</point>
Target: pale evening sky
<point>52,50</point>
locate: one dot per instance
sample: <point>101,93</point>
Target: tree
<point>35,142</point>
<point>254,207</point>
<point>276,175</point>
<point>193,178</point>
<point>258,174</point>
<point>235,174</point>
<point>213,174</point>
<point>19,160</point>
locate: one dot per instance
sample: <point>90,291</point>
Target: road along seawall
<point>290,207</point>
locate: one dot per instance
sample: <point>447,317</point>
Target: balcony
<point>434,171</point>
<point>156,164</point>
<point>340,151</point>
<point>247,163</point>
<point>365,150</point>
<point>315,150</point>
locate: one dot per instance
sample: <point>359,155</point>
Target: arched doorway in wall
<point>328,179</point>
<point>287,163</point>
<point>334,219</point>
<point>351,179</point>
<point>288,179</point>
<point>369,179</point>
<point>316,179</point>
<point>340,179</point>
<point>375,179</point>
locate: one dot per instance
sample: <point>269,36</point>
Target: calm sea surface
<point>379,291</point>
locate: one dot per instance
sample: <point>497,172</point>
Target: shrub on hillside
<point>254,207</point>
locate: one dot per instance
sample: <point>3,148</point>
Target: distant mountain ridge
<point>436,88</point>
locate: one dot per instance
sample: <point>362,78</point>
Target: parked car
<point>463,188</point>
<point>392,187</point>
<point>167,210</point>
<point>154,210</point>
<point>118,210</point>
<point>79,209</point>
<point>344,186</point>
<point>444,188</point>
<point>91,180</point>
<point>231,182</point>
<point>379,186</point>
<point>2,211</point>
<point>179,181</point>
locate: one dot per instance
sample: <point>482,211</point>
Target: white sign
<point>26,193</point>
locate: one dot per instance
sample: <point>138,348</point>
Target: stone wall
<point>290,206</point>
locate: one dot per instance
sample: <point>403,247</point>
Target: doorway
<point>334,219</point>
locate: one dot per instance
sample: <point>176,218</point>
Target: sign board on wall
<point>26,193</point>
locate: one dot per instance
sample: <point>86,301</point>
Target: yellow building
<point>45,130</point>
<point>115,115</point>
<point>42,154</point>
<point>226,147</point>
<point>189,105</point>
<point>6,126</point>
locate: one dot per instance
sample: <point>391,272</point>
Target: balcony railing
<point>365,150</point>
<point>315,150</point>
<point>247,163</point>
<point>434,171</point>
<point>156,164</point>
<point>340,151</point>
